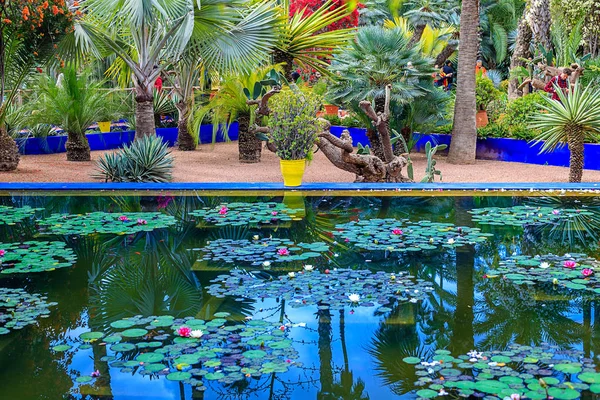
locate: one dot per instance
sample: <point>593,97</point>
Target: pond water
<point>288,297</point>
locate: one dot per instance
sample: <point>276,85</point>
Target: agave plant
<point>145,160</point>
<point>571,120</point>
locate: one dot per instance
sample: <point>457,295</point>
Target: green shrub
<point>520,110</point>
<point>496,108</point>
<point>485,92</point>
<point>334,120</point>
<point>293,124</point>
<point>503,86</point>
<point>145,160</point>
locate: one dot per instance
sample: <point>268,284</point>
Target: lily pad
<point>35,256</point>
<point>246,214</point>
<point>179,376</point>
<point>103,222</point>
<point>13,215</point>
<point>19,309</point>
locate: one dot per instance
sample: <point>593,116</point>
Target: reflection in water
<point>350,354</point>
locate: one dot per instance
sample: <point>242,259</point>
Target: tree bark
<point>540,21</point>
<point>417,34</point>
<point>144,113</point>
<point>287,61</point>
<point>522,46</point>
<point>184,138</point>
<point>373,135</point>
<point>248,144</point>
<point>464,132</point>
<point>9,152</point>
<point>446,53</point>
<point>78,148</point>
<point>576,147</point>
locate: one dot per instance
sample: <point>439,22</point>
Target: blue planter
<point>517,150</point>
<point>359,135</point>
<point>115,140</point>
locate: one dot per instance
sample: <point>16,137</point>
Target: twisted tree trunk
<point>521,52</point>
<point>248,143</point>
<point>575,139</point>
<point>78,147</point>
<point>9,152</point>
<point>464,132</point>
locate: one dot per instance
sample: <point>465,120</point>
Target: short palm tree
<point>305,41</point>
<point>72,105</point>
<point>570,120</point>
<point>147,35</point>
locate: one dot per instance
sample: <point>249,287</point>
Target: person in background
<point>562,81</point>
<point>448,75</point>
<point>295,76</point>
<point>437,79</point>
<point>480,69</point>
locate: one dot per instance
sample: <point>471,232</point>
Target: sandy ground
<point>219,163</point>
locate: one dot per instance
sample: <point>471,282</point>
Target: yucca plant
<point>571,120</point>
<point>146,160</point>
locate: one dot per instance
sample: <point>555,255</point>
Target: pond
<point>186,295</point>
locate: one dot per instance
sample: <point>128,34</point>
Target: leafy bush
<point>145,160</point>
<point>334,120</point>
<point>294,125</point>
<point>485,92</point>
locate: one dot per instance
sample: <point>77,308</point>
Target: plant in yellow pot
<point>292,131</point>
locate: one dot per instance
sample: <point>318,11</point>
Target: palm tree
<point>569,120</point>
<point>422,13</point>
<point>141,34</point>
<point>73,105</point>
<point>497,19</point>
<point>464,132</point>
<point>377,58</point>
<point>187,74</point>
<point>304,41</point>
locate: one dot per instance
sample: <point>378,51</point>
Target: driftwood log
<point>550,72</point>
<point>262,111</point>
<point>367,168</point>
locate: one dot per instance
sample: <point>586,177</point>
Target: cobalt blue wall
<point>115,140</point>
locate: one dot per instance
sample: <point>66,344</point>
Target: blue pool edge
<point>317,186</point>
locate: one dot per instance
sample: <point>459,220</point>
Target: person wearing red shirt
<point>562,81</point>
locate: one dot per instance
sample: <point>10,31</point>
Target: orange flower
<point>45,5</point>
<point>54,10</point>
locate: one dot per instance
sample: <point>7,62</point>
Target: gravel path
<point>219,163</point>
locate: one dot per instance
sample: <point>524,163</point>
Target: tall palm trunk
<point>575,140</point>
<point>9,152</point>
<point>325,354</point>
<point>78,147</point>
<point>144,112</point>
<point>540,21</point>
<point>522,45</point>
<point>464,133</point>
<point>279,57</point>
<point>184,138</point>
<point>417,34</point>
<point>249,145</point>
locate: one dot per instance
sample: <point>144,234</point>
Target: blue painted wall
<point>115,140</point>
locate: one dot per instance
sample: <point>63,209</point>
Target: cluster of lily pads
<point>190,349</point>
<point>261,251</point>
<point>521,216</point>
<point>19,309</point>
<point>12,215</point>
<point>242,214</point>
<point>34,256</point>
<point>403,235</point>
<point>103,222</point>
<point>572,271</point>
<point>518,372</point>
<point>328,289</point>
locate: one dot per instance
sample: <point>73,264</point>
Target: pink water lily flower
<point>283,252</point>
<point>123,218</point>
<point>555,212</point>
<point>95,374</point>
<point>397,231</point>
<point>587,272</point>
<point>142,222</point>
<point>184,331</point>
<point>223,210</point>
<point>274,213</point>
<point>2,253</point>
<point>570,264</point>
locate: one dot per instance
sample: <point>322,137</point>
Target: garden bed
<point>115,140</point>
<point>495,149</point>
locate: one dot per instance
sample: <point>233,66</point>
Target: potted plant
<point>485,93</point>
<point>292,130</point>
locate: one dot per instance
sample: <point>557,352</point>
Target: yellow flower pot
<point>104,126</point>
<point>292,171</point>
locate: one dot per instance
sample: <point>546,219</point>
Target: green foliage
<point>485,92</point>
<point>145,160</point>
<point>293,124</point>
<point>578,113</point>
<point>334,120</point>
<point>430,170</point>
<point>591,74</point>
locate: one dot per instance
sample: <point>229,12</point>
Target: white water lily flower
<point>430,371</point>
<point>308,267</point>
<point>414,300</point>
<point>450,241</point>
<point>568,255</point>
<point>197,334</point>
<point>291,274</point>
<point>354,298</point>
<point>266,263</point>
<point>493,364</point>
<point>255,237</point>
<point>473,359</point>
<point>544,265</point>
<point>442,391</point>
